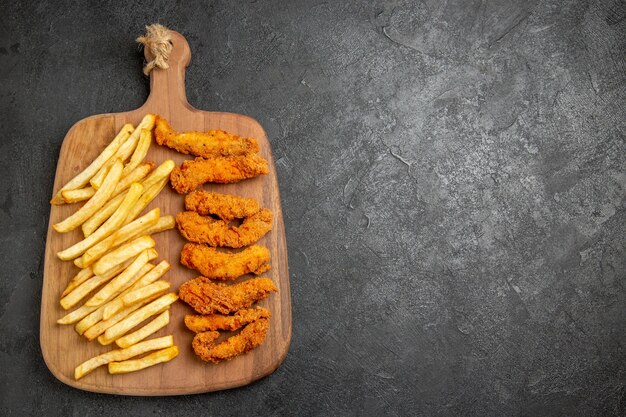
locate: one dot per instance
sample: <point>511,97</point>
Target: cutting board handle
<point>167,86</point>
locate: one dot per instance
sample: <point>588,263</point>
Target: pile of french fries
<point>117,284</point>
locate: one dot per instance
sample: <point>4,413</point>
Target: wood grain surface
<point>63,349</point>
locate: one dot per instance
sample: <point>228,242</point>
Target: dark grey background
<point>453,178</point>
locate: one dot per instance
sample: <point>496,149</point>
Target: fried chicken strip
<point>252,336</point>
<point>215,264</point>
<point>223,170</point>
<point>204,229</point>
<point>226,207</point>
<point>205,144</point>
<point>198,324</point>
<point>207,298</point>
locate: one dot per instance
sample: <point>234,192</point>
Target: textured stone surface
<point>453,177</point>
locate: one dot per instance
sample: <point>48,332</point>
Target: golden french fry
<point>117,304</point>
<point>82,290</point>
<point>136,175</point>
<point>145,292</point>
<point>76,315</point>
<point>116,284</point>
<point>122,354</point>
<point>140,315</point>
<point>164,223</point>
<point>136,296</point>
<point>150,276</point>
<point>145,140</point>
<point>108,228</point>
<point>160,172</point>
<point>145,199</point>
<point>102,339</point>
<point>94,203</point>
<point>89,316</point>
<point>163,355</point>
<point>120,254</point>
<point>82,276</point>
<point>76,196</point>
<point>102,215</point>
<point>83,178</point>
<point>126,150</point>
<point>154,326</point>
<point>136,228</point>
<point>155,177</point>
<point>96,180</point>
<point>100,327</point>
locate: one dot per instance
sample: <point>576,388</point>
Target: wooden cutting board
<point>63,349</point>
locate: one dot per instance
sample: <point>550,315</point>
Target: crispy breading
<point>207,298</point>
<point>198,324</point>
<point>223,170</point>
<point>204,229</point>
<point>252,336</point>
<point>226,207</point>
<point>215,264</point>
<point>205,144</point>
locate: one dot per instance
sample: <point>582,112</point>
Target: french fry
<point>120,254</point>
<point>164,223</point>
<point>122,354</point>
<point>108,228</point>
<point>76,196</point>
<point>146,198</point>
<point>100,327</point>
<point>89,316</point>
<point>163,355</point>
<point>102,215</point>
<point>117,304</point>
<point>145,140</point>
<point>136,175</point>
<point>122,279</point>
<point>103,340</point>
<point>82,194</point>
<point>145,292</point>
<point>76,315</point>
<point>137,295</point>
<point>82,276</point>
<point>159,173</point>
<point>140,315</point>
<point>156,176</point>
<point>83,311</point>
<point>96,180</point>
<point>126,150</point>
<point>150,276</point>
<point>83,178</point>
<point>136,228</point>
<point>82,290</point>
<point>94,203</point>
<point>154,326</point>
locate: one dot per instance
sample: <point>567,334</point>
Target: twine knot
<point>158,40</point>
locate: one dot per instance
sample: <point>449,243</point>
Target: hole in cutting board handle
<point>168,85</point>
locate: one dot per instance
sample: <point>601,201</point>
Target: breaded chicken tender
<point>210,322</point>
<point>226,207</point>
<point>205,144</point>
<point>223,170</point>
<point>215,264</point>
<point>252,336</point>
<point>207,298</point>
<point>203,229</point>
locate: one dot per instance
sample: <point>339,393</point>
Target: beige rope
<point>158,40</point>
